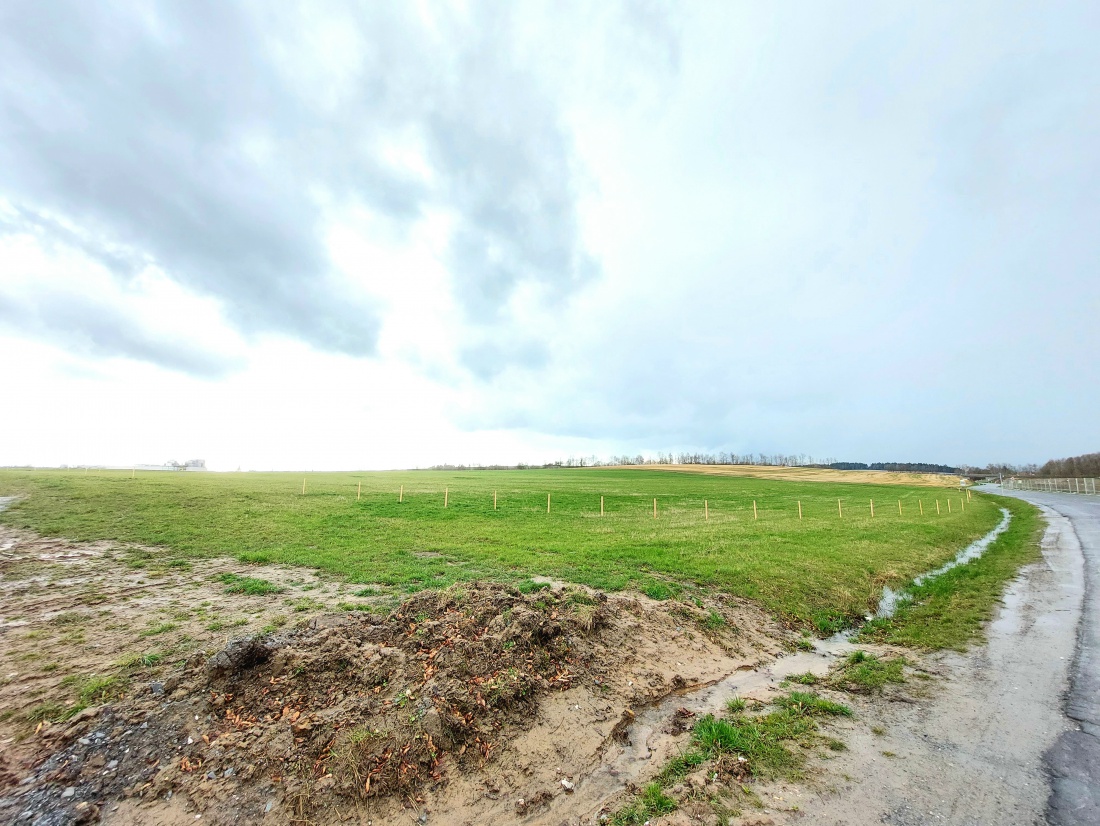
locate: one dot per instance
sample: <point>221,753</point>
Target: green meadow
<point>822,569</point>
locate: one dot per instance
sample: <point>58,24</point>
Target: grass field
<point>821,569</point>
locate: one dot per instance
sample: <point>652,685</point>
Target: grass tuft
<point>254,586</point>
<point>863,673</point>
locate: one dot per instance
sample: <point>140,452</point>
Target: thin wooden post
<point>446,492</point>
<point>548,503</point>
<point>654,508</point>
<point>920,504</point>
<point>706,511</point>
<point>839,509</point>
<point>949,505</point>
<point>800,509</point>
<point>754,516</point>
<point>937,507</point>
<point>303,484</point>
<point>133,473</point>
<point>401,494</point>
<point>872,508</point>
<point>359,491</point>
<point>962,504</point>
<point>899,508</point>
<point>494,500</point>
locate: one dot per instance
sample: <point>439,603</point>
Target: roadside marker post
<point>839,508</point>
<point>800,509</point>
<point>706,511</point>
<point>601,506</point>
<point>754,516</point>
<point>872,508</point>
<point>899,507</point>
<point>548,503</point>
<point>937,507</point>
<point>401,494</point>
<point>654,508</point>
<point>921,505</point>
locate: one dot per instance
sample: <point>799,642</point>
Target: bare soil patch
<point>470,705</point>
<point>814,474</point>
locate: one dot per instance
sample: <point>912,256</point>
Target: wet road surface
<point>1073,761</point>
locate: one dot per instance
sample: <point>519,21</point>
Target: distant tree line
<point>903,467</point>
<point>1087,464</point>
<point>720,458</point>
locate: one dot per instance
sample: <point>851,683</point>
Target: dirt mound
<point>351,713</point>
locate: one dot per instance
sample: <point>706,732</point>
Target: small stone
<point>568,785</point>
<point>69,792</point>
<point>156,687</point>
<point>211,776</point>
<point>84,741</point>
<point>228,772</point>
<point>113,764</point>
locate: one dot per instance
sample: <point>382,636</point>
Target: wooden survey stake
<point>359,491</point>
<point>706,511</point>
<point>754,516</point>
<point>446,491</point>
<point>872,508</point>
<point>800,509</point>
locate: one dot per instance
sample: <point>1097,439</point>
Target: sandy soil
<point>73,611</point>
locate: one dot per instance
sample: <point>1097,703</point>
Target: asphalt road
<point>1074,760</point>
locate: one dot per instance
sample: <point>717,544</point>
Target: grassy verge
<point>949,611</point>
<point>742,745</point>
<point>823,569</point>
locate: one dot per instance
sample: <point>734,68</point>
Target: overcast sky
<point>375,235</point>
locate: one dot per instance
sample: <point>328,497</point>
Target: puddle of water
<point>891,599</point>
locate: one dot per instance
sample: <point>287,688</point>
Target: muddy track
<point>1073,760</point>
